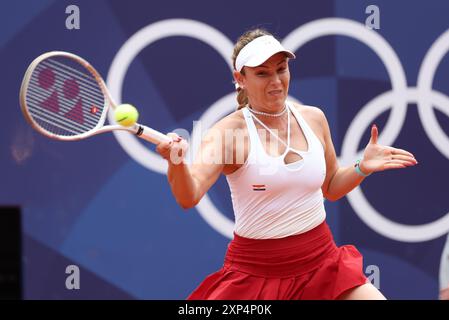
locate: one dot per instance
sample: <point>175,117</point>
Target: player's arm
<point>189,183</point>
<point>339,180</point>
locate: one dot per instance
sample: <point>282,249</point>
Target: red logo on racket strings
<point>70,91</point>
<point>93,109</point>
<point>259,187</point>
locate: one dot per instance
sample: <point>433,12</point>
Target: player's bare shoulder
<point>232,121</point>
<point>310,113</point>
<point>315,118</point>
<point>225,129</point>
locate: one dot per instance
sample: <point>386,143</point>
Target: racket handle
<point>151,135</point>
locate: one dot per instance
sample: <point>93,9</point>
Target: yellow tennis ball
<point>126,115</point>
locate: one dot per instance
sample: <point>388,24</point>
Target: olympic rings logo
<point>397,99</point>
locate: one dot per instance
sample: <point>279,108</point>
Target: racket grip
<point>151,135</point>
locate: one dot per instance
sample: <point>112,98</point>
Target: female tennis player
<point>281,170</point>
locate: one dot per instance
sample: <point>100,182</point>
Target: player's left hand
<point>379,158</point>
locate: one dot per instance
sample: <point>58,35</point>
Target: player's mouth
<point>275,93</point>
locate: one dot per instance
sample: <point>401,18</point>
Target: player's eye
<point>282,69</point>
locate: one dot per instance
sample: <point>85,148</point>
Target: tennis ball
<point>126,115</point>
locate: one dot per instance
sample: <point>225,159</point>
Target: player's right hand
<point>175,150</point>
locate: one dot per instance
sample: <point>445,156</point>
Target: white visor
<point>258,51</point>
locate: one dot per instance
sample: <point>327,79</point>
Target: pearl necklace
<point>268,114</point>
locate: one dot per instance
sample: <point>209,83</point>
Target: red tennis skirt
<point>304,266</point>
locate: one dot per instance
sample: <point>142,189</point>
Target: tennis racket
<point>64,98</point>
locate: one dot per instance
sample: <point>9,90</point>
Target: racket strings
<point>70,87</point>
<point>87,81</point>
<point>57,120</point>
<point>64,98</point>
<point>54,104</point>
<point>62,109</point>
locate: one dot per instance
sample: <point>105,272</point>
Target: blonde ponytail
<point>242,98</point>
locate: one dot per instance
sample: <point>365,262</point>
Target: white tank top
<point>272,199</point>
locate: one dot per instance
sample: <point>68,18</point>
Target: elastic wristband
<point>357,169</point>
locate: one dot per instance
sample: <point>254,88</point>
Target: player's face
<point>267,84</point>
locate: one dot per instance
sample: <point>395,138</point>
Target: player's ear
<point>239,78</point>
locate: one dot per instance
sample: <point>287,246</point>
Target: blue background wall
<point>90,203</point>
